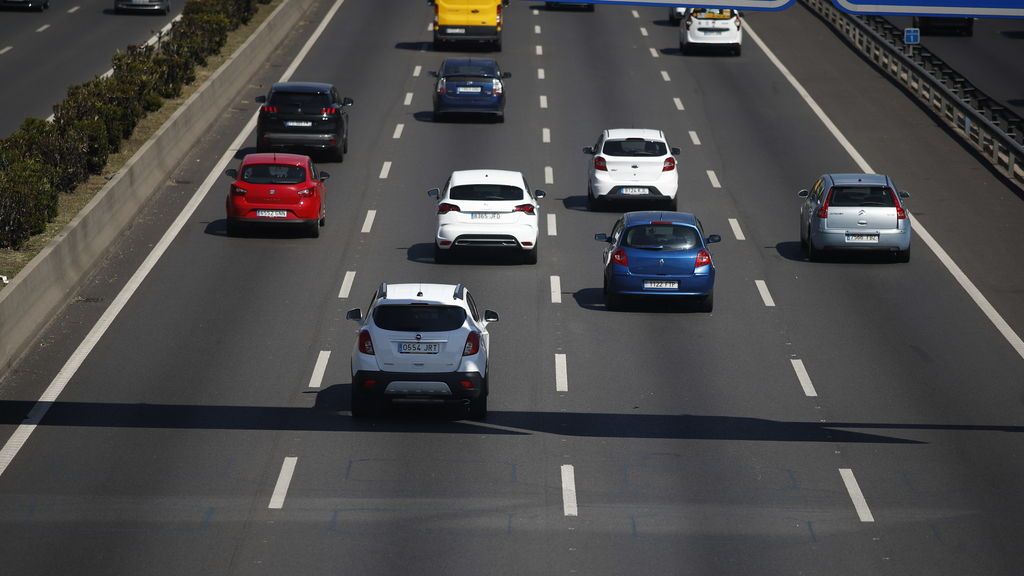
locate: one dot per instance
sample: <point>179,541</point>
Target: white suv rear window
<point>418,317</point>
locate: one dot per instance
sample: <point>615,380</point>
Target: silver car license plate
<point>419,347</point>
<point>634,191</point>
<point>299,123</point>
<point>661,284</point>
<point>272,213</point>
<point>484,215</point>
<point>862,238</point>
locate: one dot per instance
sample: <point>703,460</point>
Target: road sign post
<point>911,38</point>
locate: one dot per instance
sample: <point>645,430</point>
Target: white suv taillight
<point>669,165</point>
<point>472,344</point>
<point>365,343</point>
<point>444,208</point>
<point>600,164</point>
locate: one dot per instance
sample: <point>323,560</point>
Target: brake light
<point>526,208</point>
<point>237,190</point>
<point>823,211</point>
<point>467,384</point>
<point>369,383</point>
<point>268,108</point>
<point>600,163</point>
<point>436,9</point>
<point>738,24</point>
<point>329,111</point>
<point>306,192</point>
<point>619,257</point>
<point>441,87</point>
<point>496,86</point>
<point>472,344</point>
<point>669,165</point>
<point>365,343</point>
<point>901,212</point>
<point>703,259</point>
<point>499,17</point>
<point>444,208</point>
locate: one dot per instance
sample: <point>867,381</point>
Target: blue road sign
<point>737,4</point>
<point>980,8</point>
<point>911,36</point>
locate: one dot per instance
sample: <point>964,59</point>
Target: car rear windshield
<point>418,317</point>
<point>662,237</point>
<point>713,13</point>
<point>273,174</point>
<point>634,147</point>
<point>488,70</point>
<point>485,192</point>
<point>862,196</point>
<point>290,102</point>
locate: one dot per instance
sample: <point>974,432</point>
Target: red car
<point>279,188</point>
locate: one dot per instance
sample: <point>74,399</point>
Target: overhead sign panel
<point>979,8</point>
<point>738,4</point>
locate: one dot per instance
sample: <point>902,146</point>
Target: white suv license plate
<point>862,238</point>
<point>661,284</point>
<point>272,213</point>
<point>419,347</point>
<point>633,191</point>
<point>484,215</point>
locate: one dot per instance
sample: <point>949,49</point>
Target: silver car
<point>855,212</point>
<point>161,6</point>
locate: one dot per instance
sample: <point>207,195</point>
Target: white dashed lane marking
<point>859,503</point>
<point>561,374</point>
<point>430,26</point>
<point>6,49</point>
<point>73,9</point>
<point>346,284</point>
<point>694,138</point>
<point>636,14</point>
<point>654,53</point>
<point>545,135</point>
<point>714,179</point>
<point>803,377</point>
<point>766,296</point>
<point>552,225</point>
<point>678,103</point>
<point>543,101</point>
<point>536,12</point>
<point>549,175</point>
<point>665,76</point>
<point>540,50</point>
<point>569,491</point>
<point>43,27</point>
<point>736,230</point>
<point>408,99</point>
<point>536,28</point>
<point>556,290</point>
<point>398,131</point>
<point>643,31</point>
<point>317,378</point>
<point>416,71</point>
<point>368,222</point>
<point>385,170</point>
<point>540,73</point>
<point>283,480</point>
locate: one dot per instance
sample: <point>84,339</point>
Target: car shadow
<point>424,254</point>
<point>219,227</point>
<point>461,118</point>
<point>562,7</point>
<point>418,46</point>
<point>593,299</point>
<point>578,203</point>
<point>244,151</point>
<point>794,251</point>
<point>666,23</point>
<point>112,12</point>
<point>1013,34</point>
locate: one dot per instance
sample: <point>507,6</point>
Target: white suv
<point>421,344</point>
<point>486,208</point>
<point>632,164</point>
<point>711,28</point>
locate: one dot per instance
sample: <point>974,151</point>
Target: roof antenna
<point>419,292</point>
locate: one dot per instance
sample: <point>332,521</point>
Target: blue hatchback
<point>658,254</point>
<point>470,85</point>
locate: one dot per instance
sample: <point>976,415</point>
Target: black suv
<point>303,115</point>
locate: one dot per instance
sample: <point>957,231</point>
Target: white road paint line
<point>803,377</point>
<point>540,50</point>
<point>636,14</point>
<point>694,138</point>
<point>569,491</point>
<point>536,28</point>
<point>665,76</point>
<point>561,374</point>
<point>346,284</point>
<point>73,9</point>
<point>385,169</point>
<point>980,300</point>
<point>543,101</point>
<point>6,49</point>
<point>549,175</point>
<point>536,12</point>
<point>283,480</point>
<point>643,31</point>
<point>28,425</point>
<point>408,99</point>
<point>368,222</point>
<point>736,230</point>
<point>317,378</point>
<point>654,53</point>
<point>540,73</point>
<point>714,179</point>
<point>43,27</point>
<point>545,135</point>
<point>398,131</point>
<point>416,71</point>
<point>678,103</point>
<point>556,290</point>
<point>430,26</point>
<point>863,512</point>
<point>765,294</point>
<point>552,225</point>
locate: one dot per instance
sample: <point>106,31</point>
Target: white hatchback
<point>487,209</point>
<point>632,164</point>
<point>711,27</point>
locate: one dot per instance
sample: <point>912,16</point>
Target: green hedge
<point>44,159</point>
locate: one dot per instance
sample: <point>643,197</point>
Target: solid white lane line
<point>545,135</point>
<point>317,378</point>
<point>536,28</point>
<point>368,222</point>
<point>736,230</point>
<point>636,14</point>
<point>569,491</point>
<point>556,290</point>
<point>398,131</point>
<point>43,27</point>
<point>543,101</point>
<point>762,288</point>
<point>416,71</point>
<point>60,381</point>
<point>980,300</point>
<point>694,138</point>
<point>678,103</point>
<point>665,76</point>
<point>408,99</point>
<point>552,225</point>
<point>654,53</point>
<point>549,175</point>
<point>714,179</point>
<point>346,284</point>
<point>283,480</point>
<point>73,9</point>
<point>6,49</point>
<point>863,512</point>
<point>385,170</point>
<point>561,374</point>
<point>803,377</point>
<point>643,31</point>
<point>540,50</point>
<point>540,73</point>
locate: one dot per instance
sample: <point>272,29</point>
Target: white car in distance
<point>711,28</point>
<point>486,209</point>
<point>631,164</point>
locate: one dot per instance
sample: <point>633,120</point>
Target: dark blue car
<point>470,86</point>
<point>658,254</point>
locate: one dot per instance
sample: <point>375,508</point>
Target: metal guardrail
<point>996,133</point>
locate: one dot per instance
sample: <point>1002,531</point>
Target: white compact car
<point>486,208</point>
<point>711,28</point>
<point>632,164</point>
<point>421,344</point>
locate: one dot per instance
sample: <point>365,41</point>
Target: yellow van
<point>468,21</point>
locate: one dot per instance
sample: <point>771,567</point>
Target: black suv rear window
<point>862,196</point>
<point>634,147</point>
<point>273,174</point>
<point>296,101</point>
<point>662,237</point>
<point>418,317</point>
<point>485,192</point>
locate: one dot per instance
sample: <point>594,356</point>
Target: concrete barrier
<point>41,289</point>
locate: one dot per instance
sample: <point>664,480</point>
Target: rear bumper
<point>445,33</point>
<point>890,241</point>
<point>463,105</point>
<point>304,140</point>
<point>633,285</point>
<point>613,191</point>
<point>449,388</point>
<point>240,211</point>
<point>467,235</point>
<point>697,38</point>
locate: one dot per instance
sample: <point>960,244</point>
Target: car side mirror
<point>803,193</point>
<point>588,149</point>
<point>433,73</point>
<point>713,239</point>
<point>261,99</point>
<point>346,102</point>
<point>231,173</point>
<point>490,316</point>
<point>354,314</point>
<point>505,3</point>
<point>602,237</point>
<point>324,176</point>
<point>904,194</point>
<point>539,193</point>
<point>434,193</point>
<point>506,74</point>
<point>676,151</point>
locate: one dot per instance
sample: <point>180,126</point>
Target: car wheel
<point>672,204</point>
<point>442,256</point>
<point>323,220</point>
<point>707,303</point>
<point>345,141</point>
<point>500,118</point>
<point>478,407</point>
<point>738,50</point>
<point>260,147</point>
<point>360,407</point>
<point>530,256</point>
<point>903,256</point>
<point>594,204</point>
<point>813,254</point>
<point>684,48</point>
<point>497,45</point>
<point>338,154</point>
<point>612,302</point>
<point>313,229</point>
<point>233,228</point>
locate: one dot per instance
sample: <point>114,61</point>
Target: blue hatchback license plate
<point>661,285</point>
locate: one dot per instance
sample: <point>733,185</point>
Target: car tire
<point>313,229</point>
<point>738,50</point>
<point>359,407</point>
<point>500,118</point>
<point>903,256</point>
<point>338,153</point>
<point>530,256</point>
<point>813,254</point>
<point>594,204</point>
<point>345,141</point>
<point>478,408</point>
<point>233,229</point>
<point>672,204</point>
<point>684,48</point>
<point>707,303</point>
<point>442,256</point>
<point>497,45</point>
<point>612,302</point>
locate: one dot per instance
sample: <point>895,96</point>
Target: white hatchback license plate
<point>456,30</point>
<point>634,191</point>
<point>661,284</point>
<point>272,213</point>
<point>468,89</point>
<point>862,238</point>
<point>419,347</point>
<point>484,215</point>
<point>298,123</point>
